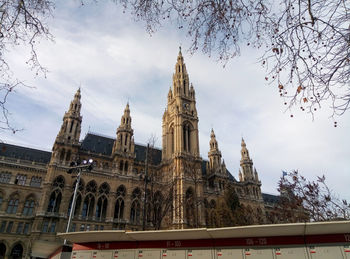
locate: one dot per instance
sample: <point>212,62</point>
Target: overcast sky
<point>114,61</point>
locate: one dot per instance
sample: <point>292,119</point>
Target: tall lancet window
<point>187,137</point>
<point>172,141</point>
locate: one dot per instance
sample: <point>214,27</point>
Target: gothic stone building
<point>36,191</point>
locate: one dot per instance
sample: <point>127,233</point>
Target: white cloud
<point>115,61</point>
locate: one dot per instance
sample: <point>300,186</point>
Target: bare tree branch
<point>22,22</point>
<point>306,43</point>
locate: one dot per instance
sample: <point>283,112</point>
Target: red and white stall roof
<point>255,231</point>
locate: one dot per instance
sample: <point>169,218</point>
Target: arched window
<point>68,155</point>
<point>28,207</point>
<point>16,252</point>
<point>119,204</point>
<point>187,137</point>
<point>81,185</point>
<point>54,201</point>
<point>119,208</point>
<point>212,204</point>
<point>104,189</point>
<point>136,194</point>
<point>88,206</point>
<point>59,182</point>
<point>190,207</point>
<point>77,205</point>
<point>135,206</point>
<point>101,208</point>
<point>71,126</point>
<point>121,165</point>
<point>135,212</point>
<point>12,205</point>
<point>126,166</point>
<point>91,187</point>
<point>62,154</point>
<point>172,139</point>
<point>2,250</point>
<point>121,191</point>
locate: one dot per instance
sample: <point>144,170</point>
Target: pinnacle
<point>77,94</point>
<point>212,133</point>
<point>243,143</point>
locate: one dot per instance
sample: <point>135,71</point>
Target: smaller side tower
<point>66,146</point>
<point>124,147</point>
<point>248,176</point>
<point>217,173</point>
<point>246,163</point>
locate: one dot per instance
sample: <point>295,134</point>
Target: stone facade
<point>36,191</point>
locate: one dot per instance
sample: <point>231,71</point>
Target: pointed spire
<point>213,143</point>
<point>180,78</point>
<point>244,151</point>
<point>69,134</point>
<point>243,143</point>
<point>170,94</point>
<point>212,134</point>
<point>127,109</point>
<point>75,105</point>
<point>240,176</point>
<point>126,118</point>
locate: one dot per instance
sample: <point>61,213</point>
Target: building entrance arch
<point>17,252</point>
<point>2,250</point>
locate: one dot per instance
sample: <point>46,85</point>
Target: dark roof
<point>97,144</point>
<point>24,153</point>
<point>270,198</point>
<point>230,176</point>
<point>103,145</point>
<point>155,154</point>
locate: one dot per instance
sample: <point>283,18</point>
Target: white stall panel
<point>347,252</point>
<point>291,253</point>
<point>200,254</point>
<point>124,254</point>
<point>103,254</point>
<point>258,253</point>
<point>173,254</point>
<point>81,254</point>
<point>148,254</point>
<point>326,252</point>
<point>228,254</point>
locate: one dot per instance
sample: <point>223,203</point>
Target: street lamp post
<point>76,166</point>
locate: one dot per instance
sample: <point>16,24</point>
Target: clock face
<point>186,106</point>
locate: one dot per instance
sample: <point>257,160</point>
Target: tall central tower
<point>180,120</point>
<point>181,149</point>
